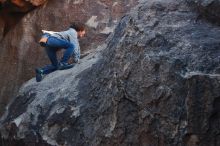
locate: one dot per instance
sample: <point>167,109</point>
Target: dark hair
<point>78,26</point>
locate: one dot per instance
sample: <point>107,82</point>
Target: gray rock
<point>20,51</point>
<point>155,81</point>
<point>207,8</point>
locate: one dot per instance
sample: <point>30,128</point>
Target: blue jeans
<point>52,45</point>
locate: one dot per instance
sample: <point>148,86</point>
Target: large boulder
<point>20,52</point>
<point>155,81</point>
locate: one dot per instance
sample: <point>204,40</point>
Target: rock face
<point>208,8</point>
<point>155,82</point>
<point>20,52</point>
<point>2,25</point>
<point>23,3</point>
<point>11,11</point>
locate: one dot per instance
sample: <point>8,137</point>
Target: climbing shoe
<point>39,74</point>
<point>63,65</point>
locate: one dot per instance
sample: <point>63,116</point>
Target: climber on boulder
<point>54,41</point>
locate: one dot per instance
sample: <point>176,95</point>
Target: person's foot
<point>39,74</point>
<point>64,65</point>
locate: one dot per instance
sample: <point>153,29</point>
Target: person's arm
<point>72,36</point>
<point>76,54</point>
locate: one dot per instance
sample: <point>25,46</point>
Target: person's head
<point>80,28</point>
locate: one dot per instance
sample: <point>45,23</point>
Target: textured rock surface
<point>24,3</point>
<point>20,53</point>
<point>11,11</point>
<point>155,82</point>
<point>2,25</point>
<point>208,8</point>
